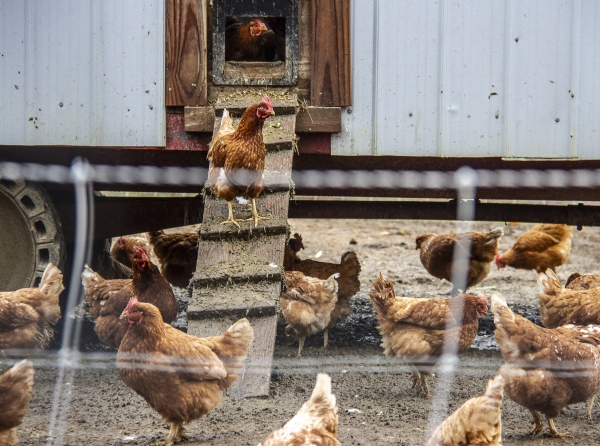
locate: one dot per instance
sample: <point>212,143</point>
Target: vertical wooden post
<point>331,80</point>
<point>186,52</point>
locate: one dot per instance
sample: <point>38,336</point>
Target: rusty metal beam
<point>577,215</point>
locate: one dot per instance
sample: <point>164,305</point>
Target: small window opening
<point>44,257</point>
<point>28,202</point>
<point>255,39</point>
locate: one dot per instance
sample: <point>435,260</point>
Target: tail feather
<point>237,338</point>
<point>153,236</point>
<point>548,284</point>
<point>499,306</point>
<point>350,262</point>
<point>51,284</point>
<point>88,276</point>
<point>494,234</point>
<point>331,283</point>
<point>380,292</point>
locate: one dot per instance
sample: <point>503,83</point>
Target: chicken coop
<point>357,85</point>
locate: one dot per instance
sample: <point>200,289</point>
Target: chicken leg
<point>325,338</point>
<point>589,407</point>
<point>300,347</point>
<point>175,434</point>
<point>554,433</point>
<point>230,219</point>
<point>419,382</point>
<point>255,215</point>
<point>538,426</point>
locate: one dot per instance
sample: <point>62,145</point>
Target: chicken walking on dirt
<point>543,246</point>
<point>180,376</point>
<point>437,254</point>
<point>237,158</point>
<point>348,283</point>
<point>108,298</point>
<point>413,329</point>
<point>15,391</point>
<point>316,423</point>
<point>477,422</point>
<point>545,369</point>
<point>28,315</point>
<point>307,305</point>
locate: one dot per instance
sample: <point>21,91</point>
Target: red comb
<point>267,101</point>
<point>122,243</point>
<point>130,304</point>
<point>140,252</point>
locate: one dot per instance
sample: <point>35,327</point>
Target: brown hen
<point>580,282</point>
<point>477,422</point>
<point>27,316</point>
<point>244,41</point>
<point>15,391</point>
<point>545,369</point>
<point>348,283</point>
<point>560,306</point>
<point>180,376</point>
<point>413,329</point>
<point>177,253</point>
<point>122,250</point>
<point>437,254</point>
<point>108,298</point>
<point>543,246</point>
<point>307,305</point>
<point>316,423</point>
<point>237,158</point>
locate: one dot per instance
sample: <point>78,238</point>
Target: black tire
<point>30,234</point>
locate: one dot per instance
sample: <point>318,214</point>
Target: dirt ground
<point>104,411</point>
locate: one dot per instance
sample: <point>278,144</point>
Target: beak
<point>271,112</point>
<point>123,315</point>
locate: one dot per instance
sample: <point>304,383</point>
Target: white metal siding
<point>82,73</point>
<point>424,72</point>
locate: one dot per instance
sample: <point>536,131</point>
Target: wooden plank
<point>308,120</point>
<point>199,119</point>
<point>331,81</point>
<point>186,82</point>
<point>319,119</point>
<point>255,379</point>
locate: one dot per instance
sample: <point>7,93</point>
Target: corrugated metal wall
<point>78,72</point>
<point>513,78</point>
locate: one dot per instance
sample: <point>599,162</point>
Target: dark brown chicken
<point>414,328</point>
<point>177,253</point>
<point>122,250</point>
<point>27,316</point>
<point>580,282</point>
<point>348,283</point>
<point>237,158</point>
<point>543,246</point>
<point>546,370</point>
<point>244,41</point>
<point>181,376</point>
<point>15,391</point>
<point>108,298</point>
<point>437,253</point>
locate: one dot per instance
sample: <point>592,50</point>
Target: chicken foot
<point>255,215</point>
<point>419,381</point>
<point>230,219</point>
<point>176,434</point>
<point>325,338</point>
<point>588,413</point>
<point>538,425</point>
<point>554,433</point>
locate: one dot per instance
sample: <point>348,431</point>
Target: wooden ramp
<point>240,271</point>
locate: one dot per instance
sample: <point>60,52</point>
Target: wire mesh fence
<point>69,360</point>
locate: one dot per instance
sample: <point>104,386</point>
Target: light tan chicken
<point>477,422</point>
<point>316,423</point>
<point>27,316</point>
<point>437,254</point>
<point>15,391</point>
<point>414,329</point>
<point>307,304</point>
<point>348,283</point>
<point>543,246</point>
<point>177,253</point>
<point>122,250</point>
<point>560,306</point>
<point>546,370</point>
